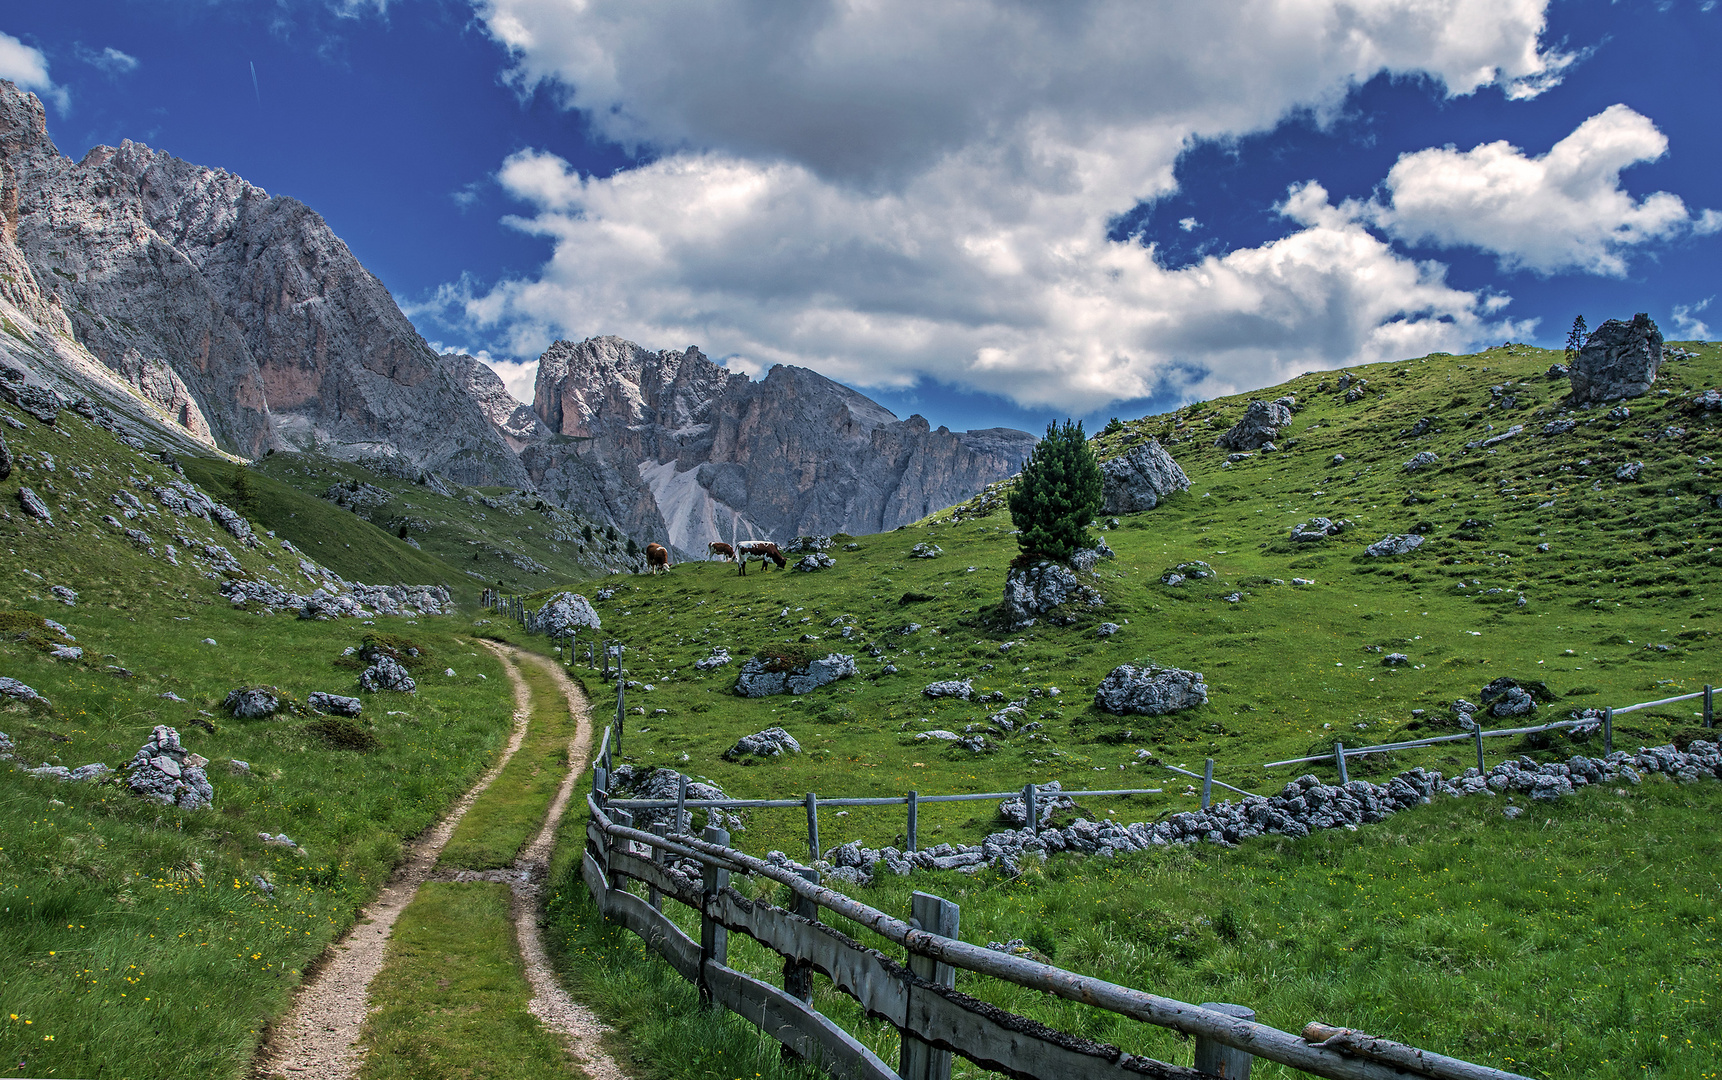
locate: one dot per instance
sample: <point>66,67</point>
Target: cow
<point>718,547</point>
<point>658,558</point>
<point>762,550</point>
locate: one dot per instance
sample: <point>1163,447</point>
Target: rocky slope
<point>240,315</point>
<point>714,455</point>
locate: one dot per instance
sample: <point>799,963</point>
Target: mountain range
<point>218,315</point>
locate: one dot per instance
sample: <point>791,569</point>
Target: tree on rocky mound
<point>1057,495</point>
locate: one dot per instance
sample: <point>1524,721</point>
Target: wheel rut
<point>318,1039</point>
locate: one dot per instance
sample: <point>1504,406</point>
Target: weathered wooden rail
<point>918,997</point>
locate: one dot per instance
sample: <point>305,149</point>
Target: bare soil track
<point>317,1040</point>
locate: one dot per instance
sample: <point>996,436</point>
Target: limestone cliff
<point>722,456</point>
<point>239,313</point>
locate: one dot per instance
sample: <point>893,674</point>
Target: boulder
<point>1106,629</point>
<point>657,785</point>
<point>803,545</point>
<point>817,560</point>
<point>1319,528</point>
<point>1394,545</point>
<point>1618,360</point>
<point>1149,690</point>
<point>1187,571</point>
<point>563,614</point>
<point>386,674</point>
<point>165,772</point>
<point>1559,427</point>
<point>1420,460</point>
<point>761,677</point>
<point>17,691</point>
<point>1140,479</point>
<point>33,505</point>
<point>926,551</point>
<point>1395,659</point>
<point>1084,560</point>
<point>1261,423</point>
<point>253,702</point>
<point>957,688</point>
<point>1046,590</point>
<point>719,657</point>
<point>1630,471</point>
<point>65,595</point>
<point>335,704</point>
<point>772,742</point>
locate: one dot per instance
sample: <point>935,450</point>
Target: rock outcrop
<point>1140,479</point>
<point>763,678</point>
<point>1046,590</point>
<point>1618,360</point>
<point>1261,424</point>
<point>1129,690</point>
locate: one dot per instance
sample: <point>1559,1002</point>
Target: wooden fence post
<point>661,857</point>
<point>798,974</point>
<point>1207,783</point>
<point>1339,759</point>
<point>1709,710</point>
<point>1218,1059</point>
<point>681,803</point>
<point>714,938</point>
<point>936,916</point>
<point>813,824</point>
<point>914,813</point>
<point>1481,768</point>
<point>1028,805</point>
<point>620,817</point>
<point>621,704</point>
<point>1608,731</point>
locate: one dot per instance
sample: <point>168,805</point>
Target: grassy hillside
<point>142,940</point>
<point>488,536</point>
<point>1452,927</point>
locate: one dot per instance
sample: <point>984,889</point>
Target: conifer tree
<point>1575,339</point>
<point>243,496</point>
<point>1057,494</point>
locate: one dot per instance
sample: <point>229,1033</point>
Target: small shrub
<point>785,658</point>
<point>342,733</point>
<point>407,652</point>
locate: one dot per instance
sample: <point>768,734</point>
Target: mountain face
<point>722,456</point>
<point>220,315</point>
<point>240,314</point>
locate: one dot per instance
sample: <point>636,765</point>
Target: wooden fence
<point>917,994</point>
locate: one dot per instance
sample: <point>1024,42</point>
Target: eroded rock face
<point>755,680</point>
<point>1140,479</point>
<point>1129,690</point>
<point>1046,590</point>
<point>1261,424</point>
<point>1618,360</point>
<point>232,310</point>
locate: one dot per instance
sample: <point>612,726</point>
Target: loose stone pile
<point>386,673</point>
<point>163,771</point>
<point>328,601</point>
<point>1302,806</point>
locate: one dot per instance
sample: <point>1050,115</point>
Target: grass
<point>451,998</point>
<point>511,811</point>
<point>145,941</point>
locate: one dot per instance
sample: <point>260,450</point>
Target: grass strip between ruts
<point>511,811</point>
<point>451,998</point>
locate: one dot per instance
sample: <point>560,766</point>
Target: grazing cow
<point>762,550</point>
<point>658,558</point>
<point>718,547</point>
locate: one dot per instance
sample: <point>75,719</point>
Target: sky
<point>991,212</point>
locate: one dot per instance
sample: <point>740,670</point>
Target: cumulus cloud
<point>893,190</point>
<point>27,67</point>
<point>1686,321</point>
<point>1564,210</point>
<point>110,60</point>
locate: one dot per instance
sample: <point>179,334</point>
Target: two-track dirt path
<point>318,1038</point>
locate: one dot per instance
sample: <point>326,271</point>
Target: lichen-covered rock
<point>564,614</point>
<point>253,702</point>
<point>1421,459</point>
<point>954,688</point>
<point>758,678</point>
<point>719,657</point>
<point>639,782</point>
<point>335,704</point>
<point>1140,479</point>
<point>1316,529</point>
<point>1084,560</point>
<point>1261,424</point>
<point>164,771</point>
<point>772,742</point>
<point>1149,691</point>
<point>1046,590</point>
<point>1394,545</point>
<point>1187,571</point>
<point>1106,629</point>
<point>1632,470</point>
<point>387,673</point>
<point>817,560</point>
<point>1618,360</point>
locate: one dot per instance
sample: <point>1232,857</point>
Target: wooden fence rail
<point>918,997</point>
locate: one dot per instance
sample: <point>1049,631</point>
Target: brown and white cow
<point>658,558</point>
<point>718,547</point>
<point>748,550</point>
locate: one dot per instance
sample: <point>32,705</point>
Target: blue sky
<point>990,213</point>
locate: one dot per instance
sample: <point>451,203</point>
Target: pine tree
<point>1575,339</point>
<point>633,548</point>
<point>1057,495</point>
<point>243,496</point>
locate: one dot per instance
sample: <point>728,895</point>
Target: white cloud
<point>888,190</point>
<point>1687,323</point>
<point>1562,211</point>
<point>27,67</point>
<point>110,60</point>
<point>1188,224</point>
<point>518,376</point>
